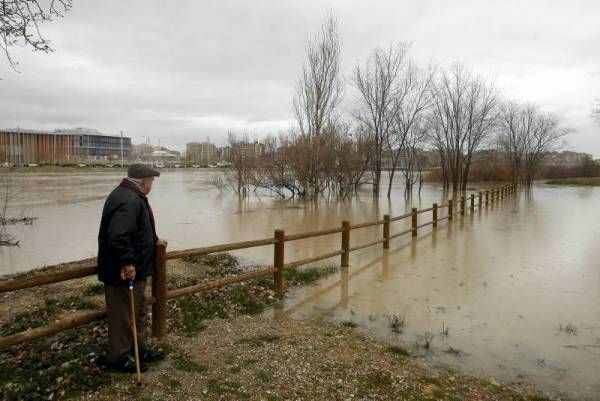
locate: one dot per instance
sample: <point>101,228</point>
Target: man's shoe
<point>127,365</point>
<point>151,355</point>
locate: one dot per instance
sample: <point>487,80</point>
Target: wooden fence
<point>161,294</point>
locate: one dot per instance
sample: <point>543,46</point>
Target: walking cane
<point>134,330</point>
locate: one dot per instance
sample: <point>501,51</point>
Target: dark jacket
<point>127,234</point>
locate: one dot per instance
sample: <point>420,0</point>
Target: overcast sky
<point>183,71</point>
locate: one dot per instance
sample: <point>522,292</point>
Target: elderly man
<point>126,244</point>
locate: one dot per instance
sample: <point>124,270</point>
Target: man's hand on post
<point>128,272</point>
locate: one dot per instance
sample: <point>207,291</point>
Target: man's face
<point>146,185</point>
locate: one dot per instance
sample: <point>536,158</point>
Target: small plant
<point>396,322</point>
<point>445,330</point>
<point>264,375</point>
<point>427,339</point>
<point>181,362</point>
<point>570,329</point>
<point>349,323</point>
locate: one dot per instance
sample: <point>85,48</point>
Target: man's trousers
<point>120,338</point>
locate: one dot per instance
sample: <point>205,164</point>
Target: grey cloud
<point>186,70</point>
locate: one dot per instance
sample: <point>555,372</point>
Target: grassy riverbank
<point>580,182</point>
<point>220,347</point>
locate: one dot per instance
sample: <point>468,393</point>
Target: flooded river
<point>511,293</point>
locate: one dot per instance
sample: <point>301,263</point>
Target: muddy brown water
<point>511,293</point>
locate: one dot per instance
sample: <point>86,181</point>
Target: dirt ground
<point>258,358</point>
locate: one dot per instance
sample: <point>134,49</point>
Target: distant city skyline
<point>234,65</point>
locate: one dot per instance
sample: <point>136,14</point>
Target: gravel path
<point>258,358</point>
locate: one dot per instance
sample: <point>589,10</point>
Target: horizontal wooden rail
<point>305,261</point>
<point>402,216</point>
<point>81,319</point>
<point>425,210</point>
<point>401,233</point>
<point>311,234</point>
<point>363,246</point>
<point>44,279</point>
<point>214,284</point>
<point>425,224</point>
<point>65,324</point>
<point>368,224</point>
<point>219,248</point>
<point>442,218</point>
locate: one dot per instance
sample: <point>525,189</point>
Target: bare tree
<point>381,96</point>
<point>20,22</point>
<point>516,122</point>
<point>414,98</point>
<point>243,161</point>
<point>463,117</point>
<point>318,94</point>
<point>527,135</point>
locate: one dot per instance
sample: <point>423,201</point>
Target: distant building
<point>201,152</point>
<point>566,158</point>
<point>64,146</point>
<point>149,153</point>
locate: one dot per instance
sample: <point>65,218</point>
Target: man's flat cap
<point>140,171</point>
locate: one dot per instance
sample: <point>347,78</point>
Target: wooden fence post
<point>159,292</point>
<point>480,199</point>
<point>462,205</point>
<point>487,197</point>
<point>435,214</point>
<point>492,196</point>
<point>472,203</point>
<point>450,208</point>
<point>278,261</point>
<point>345,262</point>
<point>414,221</point>
<point>386,231</point>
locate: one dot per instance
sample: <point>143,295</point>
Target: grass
<point>248,304</point>
<point>582,182</point>
<point>94,289</point>
<point>43,314</point>
<point>189,317</point>
<point>181,362</point>
<point>61,366</point>
<point>264,376</point>
<point>308,275</point>
<point>397,350</point>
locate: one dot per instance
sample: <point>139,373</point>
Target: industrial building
<point>66,146</point>
<point>202,152</point>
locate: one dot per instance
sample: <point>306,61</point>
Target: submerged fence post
<point>159,292</point>
<point>386,231</point>
<point>345,244</point>
<point>450,208</point>
<point>462,205</point>
<point>480,199</point>
<point>414,221</point>
<point>472,203</point>
<point>487,197</point>
<point>435,214</point>
<point>278,261</point>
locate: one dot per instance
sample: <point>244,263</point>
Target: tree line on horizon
<point>401,107</point>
